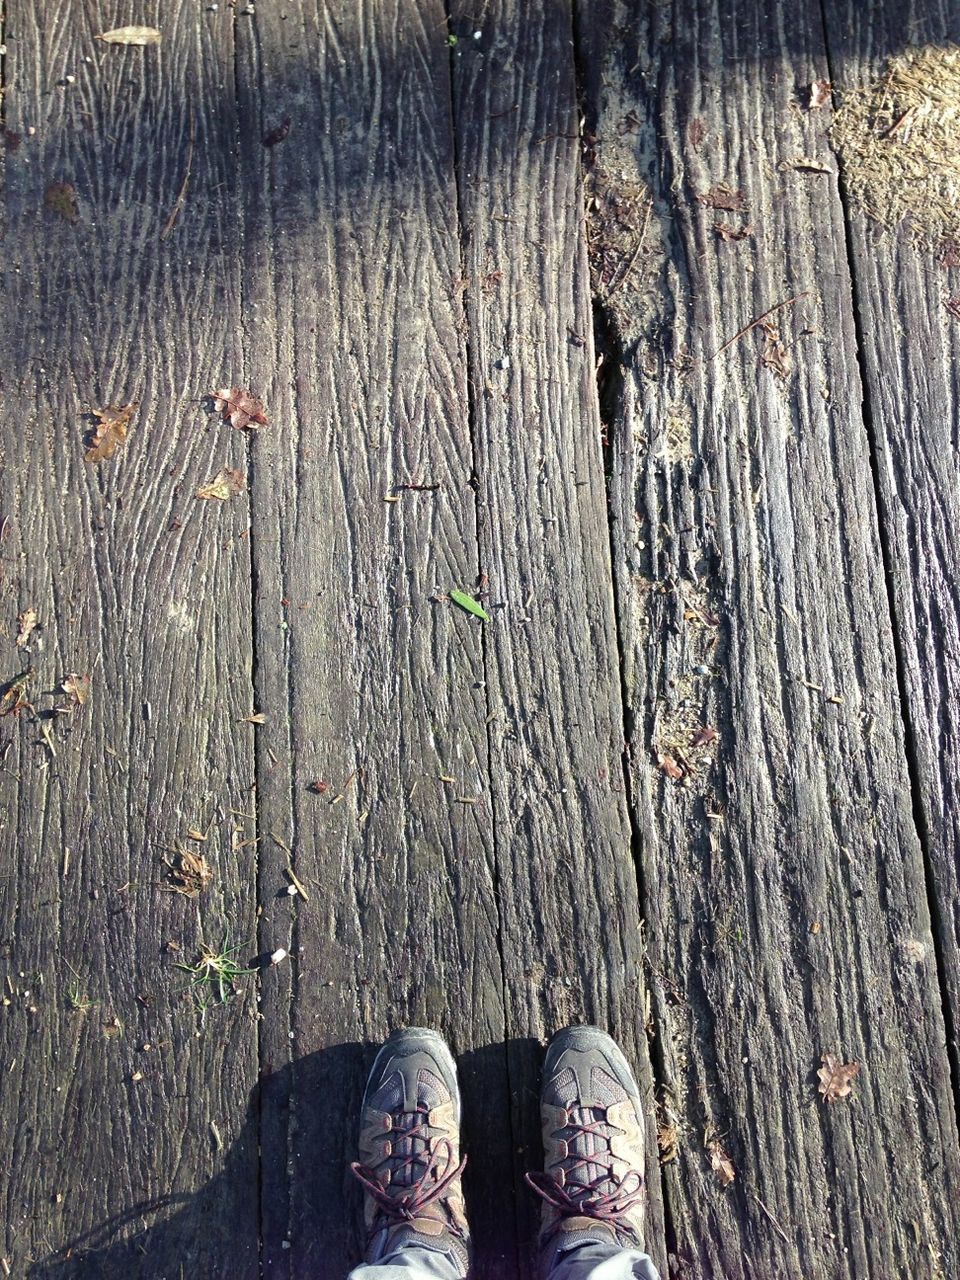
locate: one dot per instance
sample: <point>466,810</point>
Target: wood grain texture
<point>571,924</point>
<point>371,679</point>
<point>909,349</point>
<point>786,902</point>
<point>124,1124</point>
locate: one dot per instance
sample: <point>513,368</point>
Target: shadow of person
<point>302,1120</point>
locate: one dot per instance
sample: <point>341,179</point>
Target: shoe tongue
<point>585,1145</point>
<point>428,1094</point>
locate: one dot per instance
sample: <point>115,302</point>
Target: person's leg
<point>410,1165</point>
<point>592,1183</point>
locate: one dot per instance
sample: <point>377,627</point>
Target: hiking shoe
<point>592,1183</point>
<point>410,1164</point>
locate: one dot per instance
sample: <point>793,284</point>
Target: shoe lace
<point>606,1197</point>
<point>430,1162</point>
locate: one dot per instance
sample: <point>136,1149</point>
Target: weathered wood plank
<point>123,1122</point>
<point>570,916</point>
<point>372,681</point>
<point>909,350</point>
<point>786,899</point>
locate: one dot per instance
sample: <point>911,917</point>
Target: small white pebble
<point>279,954</point>
<point>212,8</point>
<point>70,79</point>
<point>477,35</point>
<point>284,1244</point>
<point>289,1035</point>
<point>291,889</point>
<point>31,130</point>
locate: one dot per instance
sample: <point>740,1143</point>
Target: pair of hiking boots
<point>410,1166</point>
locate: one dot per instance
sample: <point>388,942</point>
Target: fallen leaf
<point>804,164</point>
<point>61,197</point>
<point>704,737</point>
<point>225,484</point>
<point>696,132</point>
<point>818,95</point>
<point>26,622</point>
<point>953,305</point>
<point>189,875</point>
<point>836,1077</point>
<point>279,134</point>
<point>77,688</point>
<point>14,696</point>
<point>110,432</point>
<point>670,767</point>
<point>239,408</point>
<point>721,1164</point>
<point>468,603</point>
<point>256,717</point>
<point>667,1142</point>
<point>727,232</point>
<point>130,35</point>
<point>721,196</point>
<point>775,355</point>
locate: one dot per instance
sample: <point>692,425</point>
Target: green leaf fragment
<point>468,603</point>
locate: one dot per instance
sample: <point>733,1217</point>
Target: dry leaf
<point>727,232</point>
<point>953,305</point>
<point>721,1164</point>
<point>667,1142</point>
<point>256,717</point>
<point>818,95</point>
<point>775,355</point>
<point>225,484</point>
<point>704,737</point>
<point>61,197</point>
<point>189,874</point>
<point>239,408</point>
<point>723,197</point>
<point>670,767</point>
<point>14,697</point>
<point>130,35</point>
<point>279,134</point>
<point>804,164</point>
<point>77,688</point>
<point>110,431</point>
<point>26,622</point>
<point>836,1076</point>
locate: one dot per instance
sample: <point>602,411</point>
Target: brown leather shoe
<point>592,1183</point>
<point>410,1164</point>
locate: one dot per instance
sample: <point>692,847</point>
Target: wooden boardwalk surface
<point>693,777</point>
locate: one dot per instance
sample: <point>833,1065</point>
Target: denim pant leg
<point>594,1260</point>
<point>410,1262</point>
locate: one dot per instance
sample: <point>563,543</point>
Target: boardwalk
<point>575,308</point>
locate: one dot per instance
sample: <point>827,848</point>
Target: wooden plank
<point>126,1121</point>
<point>570,915</point>
<point>909,348</point>
<point>371,679</point>
<point>786,903</point>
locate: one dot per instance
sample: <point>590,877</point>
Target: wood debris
<point>728,233</point>
<point>897,138</point>
<point>775,354</point>
<point>819,94</point>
